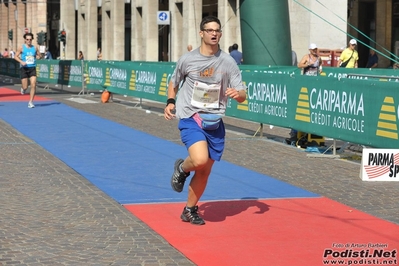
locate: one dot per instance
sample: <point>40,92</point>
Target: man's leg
<point>198,184</point>
<point>32,88</point>
<point>199,162</point>
<point>24,82</point>
<point>198,157</point>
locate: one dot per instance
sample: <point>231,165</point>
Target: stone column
<point>12,25</point>
<point>117,33</point>
<point>106,29</point>
<point>230,20</point>
<point>176,30</point>
<point>3,25</point>
<point>144,30</point>
<point>82,29</point>
<point>41,16</point>
<point>192,11</point>
<point>67,23</point>
<point>137,30</point>
<point>91,29</point>
<point>21,25</point>
<point>36,19</point>
<point>184,29</point>
<point>150,30</point>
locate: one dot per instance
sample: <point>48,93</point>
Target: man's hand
<point>169,112</point>
<point>239,96</point>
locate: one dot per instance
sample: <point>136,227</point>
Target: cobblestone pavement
<point>50,215</point>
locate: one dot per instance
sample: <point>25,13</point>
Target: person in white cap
<point>311,63</point>
<point>349,57</point>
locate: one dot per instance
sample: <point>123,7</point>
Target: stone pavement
<point>50,215</point>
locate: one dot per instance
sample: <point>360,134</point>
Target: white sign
<point>42,49</point>
<point>163,17</point>
<point>380,165</point>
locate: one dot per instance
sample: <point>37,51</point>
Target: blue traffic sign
<point>163,16</point>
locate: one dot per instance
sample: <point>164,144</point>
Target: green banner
<point>9,67</point>
<point>65,72</point>
<point>358,111</point>
<point>355,105</point>
<point>379,74</point>
<point>136,79</point>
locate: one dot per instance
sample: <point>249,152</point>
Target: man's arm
<point>17,56</point>
<point>341,58</point>
<point>171,102</point>
<point>172,91</point>
<point>304,62</point>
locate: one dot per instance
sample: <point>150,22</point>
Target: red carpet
<point>268,232</point>
<point>9,95</point>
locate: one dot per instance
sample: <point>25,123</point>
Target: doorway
<point>367,15</point>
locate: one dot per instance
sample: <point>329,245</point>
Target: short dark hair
<point>209,19</point>
<point>235,46</point>
<point>28,34</point>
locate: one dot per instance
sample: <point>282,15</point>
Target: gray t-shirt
<point>220,69</point>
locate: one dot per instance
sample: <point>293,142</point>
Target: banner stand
<point>82,91</point>
<point>260,130</point>
<point>334,150</point>
<point>84,78</point>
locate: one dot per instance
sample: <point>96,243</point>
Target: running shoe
<point>190,214</point>
<point>178,177</point>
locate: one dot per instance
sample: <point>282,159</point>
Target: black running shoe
<point>178,177</point>
<point>190,214</point>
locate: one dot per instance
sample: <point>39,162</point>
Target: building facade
<point>133,30</point>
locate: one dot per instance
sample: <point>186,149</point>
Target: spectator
<point>189,47</point>
<point>12,53</point>
<point>165,56</point>
<point>372,62</point>
<point>349,56</point>
<point>81,56</point>
<point>5,53</point>
<point>48,55</point>
<point>311,63</point>
<point>236,54</point>
<point>294,58</point>
<point>99,54</point>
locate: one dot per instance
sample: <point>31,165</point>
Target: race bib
<point>30,59</point>
<point>205,96</point>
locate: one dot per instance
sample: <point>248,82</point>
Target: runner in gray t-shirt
<point>209,76</point>
<point>189,68</point>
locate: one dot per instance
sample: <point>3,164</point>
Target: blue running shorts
<point>191,132</point>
